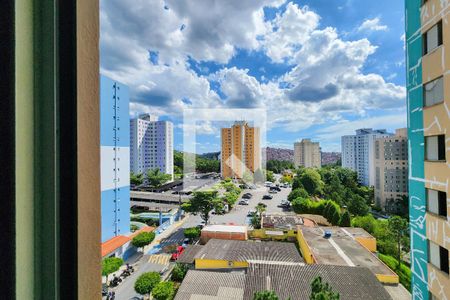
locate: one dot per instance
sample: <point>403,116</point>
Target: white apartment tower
<point>307,154</point>
<point>151,145</point>
<point>358,153</point>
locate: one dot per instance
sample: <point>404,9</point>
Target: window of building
<point>438,256</point>
<point>435,147</point>
<point>433,92</point>
<point>432,38</point>
<point>437,202</point>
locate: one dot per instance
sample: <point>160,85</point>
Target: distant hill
<point>278,154</point>
<point>330,158</point>
<point>211,155</point>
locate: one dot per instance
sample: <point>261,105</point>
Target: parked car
<point>177,253</point>
<point>247,196</point>
<point>268,183</point>
<point>243,202</point>
<point>186,241</point>
<point>275,188</point>
<point>251,213</point>
<point>285,203</point>
<point>267,197</point>
<point>272,191</point>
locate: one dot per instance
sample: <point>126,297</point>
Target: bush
<point>404,273</point>
<point>146,282</point>
<point>163,291</point>
<point>192,232</point>
<point>297,193</point>
<point>143,239</point>
<point>335,218</point>
<point>111,265</point>
<point>265,295</point>
<point>178,272</point>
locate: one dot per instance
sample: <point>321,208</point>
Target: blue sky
<point>320,68</point>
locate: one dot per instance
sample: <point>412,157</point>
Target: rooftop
<point>250,251</point>
<point>112,244</point>
<point>342,249</point>
<point>281,221</point>
<point>201,285</point>
<point>225,228</point>
<point>292,282</point>
<point>189,253</point>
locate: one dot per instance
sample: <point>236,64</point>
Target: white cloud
<point>372,25</point>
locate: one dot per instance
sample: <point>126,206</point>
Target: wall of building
<point>219,264</point>
<point>307,154</point>
<point>423,122</point>
<point>115,158</point>
<point>391,171</point>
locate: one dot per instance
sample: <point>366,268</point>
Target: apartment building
<point>151,145</point>
<point>358,153</point>
<point>307,154</point>
<point>391,171</point>
<point>114,158</point>
<point>241,151</point>
<point>428,99</point>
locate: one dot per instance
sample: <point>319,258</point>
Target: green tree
<point>299,192</point>
<point>146,282</point>
<point>345,220</point>
<point>192,232</point>
<point>178,272</point>
<point>311,181</point>
<point>256,221</point>
<point>111,265</point>
<point>156,178</point>
<point>322,291</point>
<point>260,208</point>
<point>368,223</point>
<point>143,239</point>
<point>358,206</point>
<point>164,290</point>
<point>202,202</point>
<point>269,176</point>
<point>335,218</point>
<point>136,179</point>
<point>265,295</point>
<point>301,205</point>
<point>398,227</point>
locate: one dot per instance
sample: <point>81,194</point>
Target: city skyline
<point>269,67</point>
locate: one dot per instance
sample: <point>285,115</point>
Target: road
<point>237,216</point>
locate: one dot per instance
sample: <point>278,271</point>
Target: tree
<point>398,227</point>
<point>146,282</point>
<point>300,192</point>
<point>269,176</point>
<point>301,205</point>
<point>265,295</point>
<point>256,221</point>
<point>311,181</point>
<point>143,239</point>
<point>163,291</point>
<point>111,265</point>
<point>345,220</point>
<point>358,206</point>
<point>247,177</point>
<point>178,272</point>
<point>368,223</point>
<point>335,217</point>
<point>202,202</point>
<point>322,291</point>
<point>136,179</point>
<point>260,208</point>
<point>192,232</point>
<point>156,178</point>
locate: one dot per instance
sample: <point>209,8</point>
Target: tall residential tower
<point>391,171</point>
<point>241,150</point>
<point>114,158</point>
<point>428,104</point>
<point>358,153</point>
<point>151,145</point>
<point>307,154</point>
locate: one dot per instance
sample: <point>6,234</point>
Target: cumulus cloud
<point>372,25</point>
<point>325,84</point>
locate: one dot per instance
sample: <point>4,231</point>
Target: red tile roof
<point>112,244</point>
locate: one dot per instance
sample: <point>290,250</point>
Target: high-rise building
<point>358,153</point>
<point>151,145</point>
<point>114,158</point>
<point>307,154</point>
<point>241,150</point>
<point>428,102</point>
<point>391,171</point>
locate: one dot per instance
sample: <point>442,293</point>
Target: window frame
<point>439,137</point>
<point>424,93</point>
<point>425,50</point>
